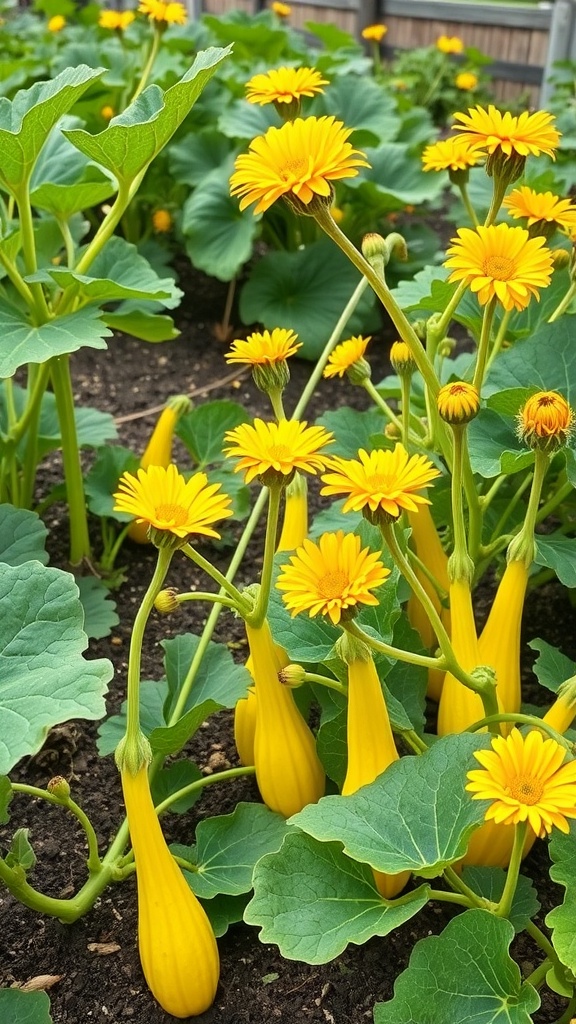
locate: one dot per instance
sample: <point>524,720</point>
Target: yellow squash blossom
<point>499,643</point>
<point>449,44</point>
<point>371,747</point>
<point>288,769</point>
<point>459,707</point>
<point>178,951</point>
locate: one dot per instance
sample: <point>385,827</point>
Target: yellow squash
<point>295,524</point>
<point>177,947</point>
<point>562,712</point>
<point>459,707</point>
<point>430,551</point>
<point>245,725</point>
<point>499,643</point>
<point>371,747</point>
<point>288,769</point>
<point>491,846</point>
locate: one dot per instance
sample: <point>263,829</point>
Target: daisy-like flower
<point>284,85</point>
<point>166,13</point>
<point>170,504</point>
<point>261,349</point>
<point>282,10</point>
<point>502,262</point>
<point>458,402</point>
<point>56,23</point>
<point>375,33</point>
<point>116,19</point>
<point>274,451</point>
<point>545,420</point>
<point>300,160</point>
<point>449,44</point>
<point>454,154</point>
<point>345,356</point>
<point>543,210</point>
<point>466,80</point>
<point>526,779</point>
<point>525,135</point>
<point>331,577</point>
<point>380,481</point>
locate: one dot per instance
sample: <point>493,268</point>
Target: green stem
<point>442,896</point>
<point>541,940</point>
<point>568,1015</point>
<point>484,344</point>
<point>422,660</point>
<point>94,863</point>
<point>405,384</point>
<point>34,400</point>
<point>206,595</point>
<point>556,499</point>
<point>330,684</point>
<point>200,784</point>
<point>538,976</point>
<point>500,184</point>
<point>257,616</point>
<point>414,741</point>
<point>455,882</point>
<point>382,403</point>
<point>523,546</point>
<point>62,384</point>
<point>499,339</point>
<point>275,396</point>
<point>518,717</point>
<point>563,305</point>
<point>505,904</point>
<point>486,499</point>
<point>463,189</point>
<point>475,512</point>
<point>39,307</point>
<point>438,330</point>
<point>152,54</point>
<point>240,602</point>
<point>460,555</point>
<point>17,280</point>
<point>68,242</point>
<point>511,506</point>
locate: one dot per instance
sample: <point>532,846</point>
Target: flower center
<point>333,584</point>
<point>526,789</point>
<point>378,482</point>
<point>176,515</point>
<point>294,169</point>
<point>546,400</point>
<point>500,268</point>
<point>280,453</point>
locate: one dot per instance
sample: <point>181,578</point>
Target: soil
<point>96,959</point>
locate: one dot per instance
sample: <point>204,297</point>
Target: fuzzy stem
<point>563,305</point>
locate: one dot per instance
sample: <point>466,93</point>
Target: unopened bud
<point>561,258</point>
<point>402,359</point>
<point>292,675</point>
<point>392,431</point>
<point>545,421</point>
<point>375,252</point>
<point>458,402</point>
<point>59,787</point>
<point>167,601</point>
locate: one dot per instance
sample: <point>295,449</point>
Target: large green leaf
<point>395,172</point>
<point>352,429</point>
<point>219,237</point>
<point>427,290</point>
<point>494,445</point>
<point>43,677</point>
<point>489,883</point>
<point>65,200</point>
<point>551,666</point>
<point>311,900</point>
<point>21,342</point>
<point>305,290</point>
<point>136,136</point>
<point>545,361</point>
<point>27,120</point>
<point>140,324</point>
<point>426,791</point>
<point>63,182</point>
<point>102,480</point>
<point>196,155</point>
<point>99,607</point>
<point>22,536</point>
<point>228,847</point>
<point>363,105</point>
<point>243,120</point>
<point>562,920</point>
<point>557,552</point>
<point>465,975</point>
<point>18,1007</point>
<point>202,429</point>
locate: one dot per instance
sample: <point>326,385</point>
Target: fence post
<point>561,44</point>
<point>367,13</point>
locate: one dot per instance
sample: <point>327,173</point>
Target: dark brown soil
<point>97,959</point>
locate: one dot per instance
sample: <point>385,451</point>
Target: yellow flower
<point>274,451</point>
<point>175,937</point>
<point>262,349</point>
<point>375,32</point>
<point>168,13</point>
<point>453,154</point>
<point>526,778</point>
<point>545,417</point>
<point>381,480</point>
<point>282,10</point>
<point>56,23</point>
<point>116,19</point>
<point>541,208</point>
<point>284,85</point>
<point>161,221</point>
<point>402,359</point>
<point>345,355</point>
<point>428,547</point>
<point>331,577</point>
<point>458,402</point>
<point>502,262</point>
<point>158,451</point>
<point>466,80</point>
<point>525,135</point>
<point>163,499</point>
<point>449,44</point>
<point>300,159</point>
<point>107,112</point>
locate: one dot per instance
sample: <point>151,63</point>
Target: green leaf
<point>218,235</point>
<point>43,677</point>
<point>243,120</point>
<point>119,272</point>
<point>132,140</point>
<point>195,156</point>
<point>219,678</point>
<point>22,536</point>
<point>176,776</point>
<point>223,911</point>
<point>202,429</point>
<point>6,795</point>
<point>99,607</point>
<point>427,290</point>
<point>426,791</point>
<point>27,120</point>
<point>394,172</point>
<point>557,552</point>
<point>551,666</point>
<point>102,480</point>
<point>352,429</point>
<point>464,975</point>
<point>332,733</point>
<point>152,699</point>
<point>363,105</point>
<point>489,882</point>
<point>305,291</point>
<point>22,343</point>
<point>311,901</point>
<point>545,361</point>
<point>494,445</point>
<point>228,847</point>
<point>18,1007</point>
<point>169,739</point>
<point>562,920</point>
<point>140,324</point>
<point>21,853</point>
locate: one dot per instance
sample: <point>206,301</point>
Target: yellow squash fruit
<point>459,707</point>
<point>245,724</point>
<point>429,549</point>
<point>288,769</point>
<point>499,642</point>
<point>158,451</point>
<point>371,747</point>
<point>178,951</point>
<point>562,712</point>
<point>295,523</point>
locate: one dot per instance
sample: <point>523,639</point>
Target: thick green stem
<point>275,397</point>
<point>505,904</point>
<point>499,339</point>
<point>563,305</point>
<point>62,384</point>
<point>537,977</point>
<point>518,718</point>
<point>94,863</point>
<point>152,54</point>
<point>455,882</point>
<point>541,940</point>
<point>522,547</point>
<point>200,784</point>
<point>256,618</point>
<point>484,344</point>
<point>330,684</point>
<point>39,308</point>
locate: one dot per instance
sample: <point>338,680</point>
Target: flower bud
<point>161,221</point>
<point>59,787</point>
<point>167,601</point>
<point>561,258</point>
<point>458,402</point>
<point>292,675</point>
<point>392,431</point>
<point>545,421</point>
<point>402,359</point>
<point>375,252</point>
<point>273,376</point>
